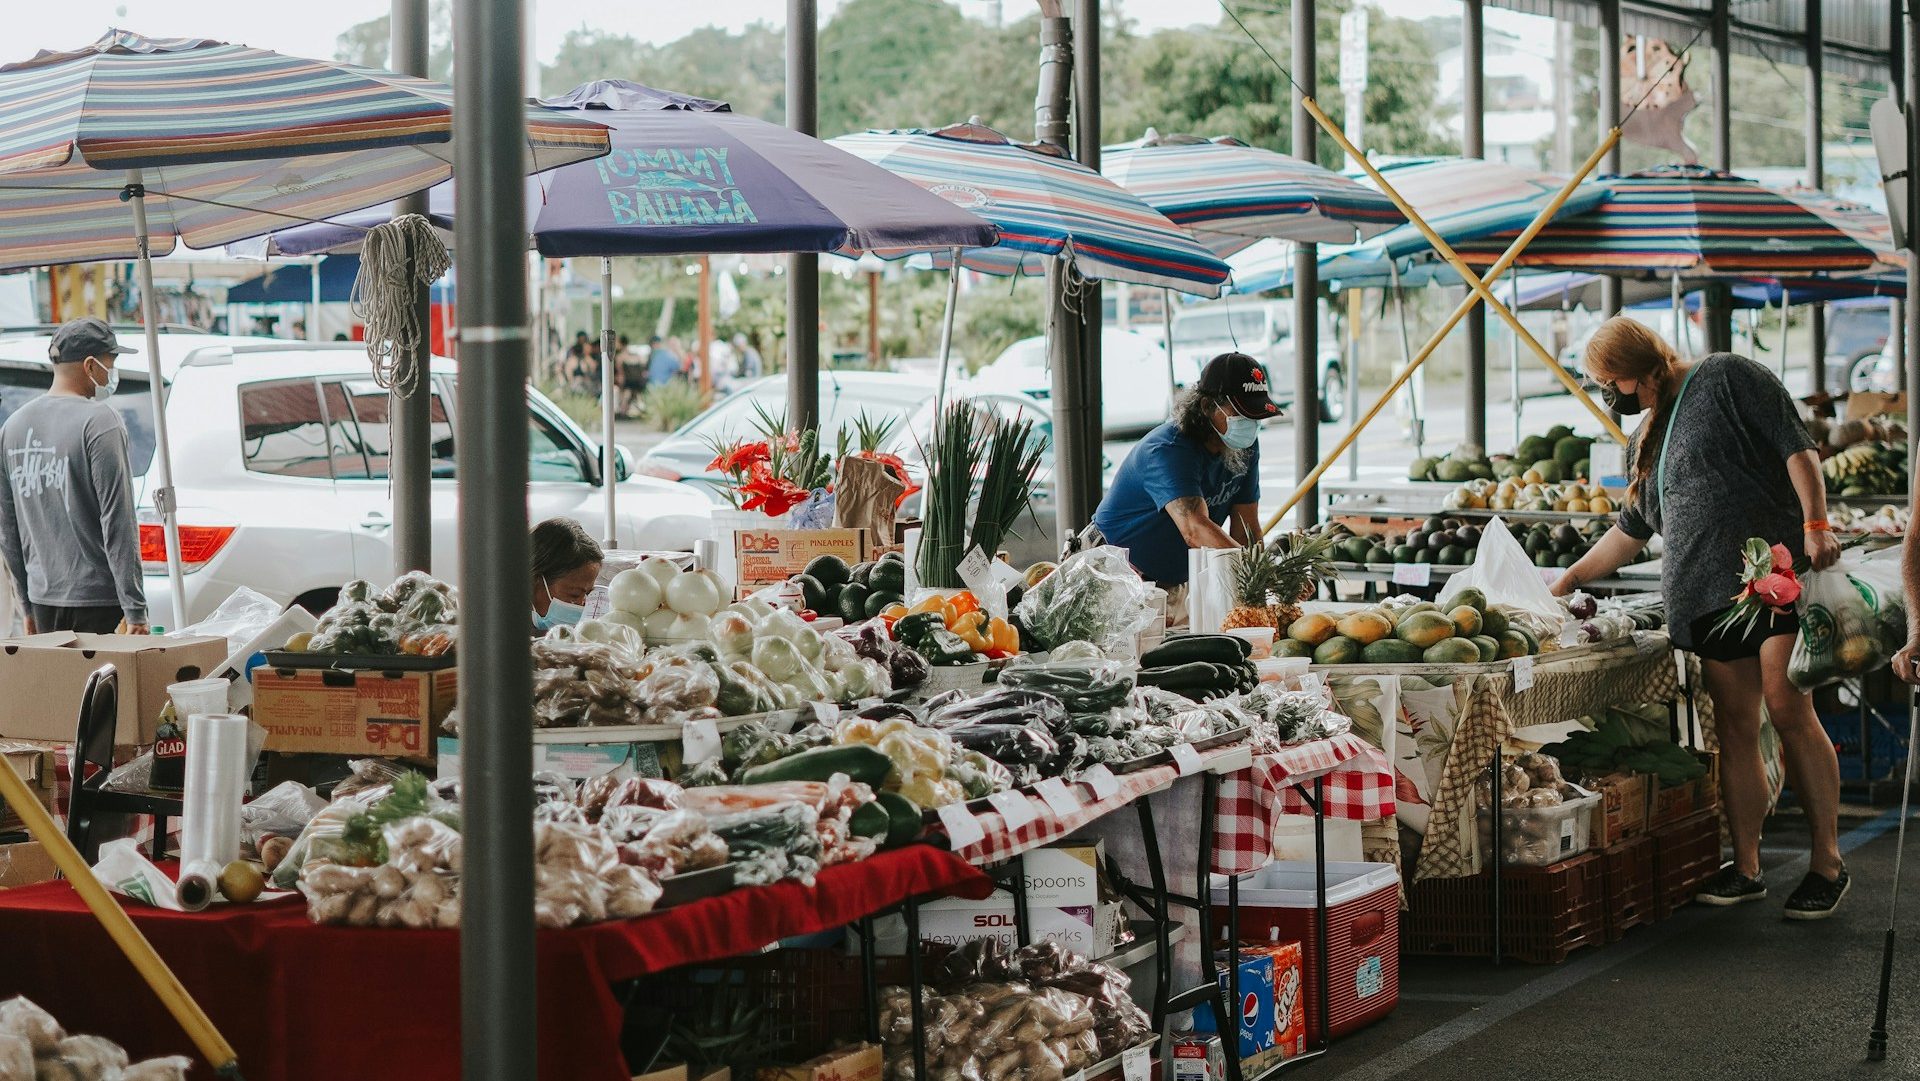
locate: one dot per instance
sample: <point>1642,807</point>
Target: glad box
<point>1063,905</point>
<point>45,675</point>
<point>857,1062</point>
<point>340,711</point>
<point>763,557</point>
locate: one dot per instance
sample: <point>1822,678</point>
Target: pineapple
<point>1253,573</point>
<point>1302,561</point>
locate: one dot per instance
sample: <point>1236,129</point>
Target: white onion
<point>688,625</point>
<point>634,592</point>
<point>658,624</point>
<point>660,570</point>
<point>691,594</point>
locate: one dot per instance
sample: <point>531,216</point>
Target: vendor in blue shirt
<point>1193,475</point>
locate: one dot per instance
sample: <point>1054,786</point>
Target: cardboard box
<point>1256,1007</point>
<point>1063,904</point>
<point>34,764</point>
<point>46,674</point>
<point>675,1072</point>
<point>765,556</point>
<point>1289,1001</point>
<point>1201,1058</point>
<point>1669,805</point>
<point>1871,404</point>
<point>1622,812</point>
<point>25,864</point>
<point>390,714</point>
<point>858,1062</point>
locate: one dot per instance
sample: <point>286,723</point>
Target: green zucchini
<point>1212,648</point>
<point>870,820</point>
<point>903,818</point>
<point>1193,675</point>
<point>859,762</point>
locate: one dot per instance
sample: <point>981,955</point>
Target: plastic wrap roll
<point>216,785</point>
<point>199,883</point>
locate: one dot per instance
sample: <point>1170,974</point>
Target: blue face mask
<point>1241,432</point>
<point>559,613</point>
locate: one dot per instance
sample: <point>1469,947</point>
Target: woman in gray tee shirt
<point>1722,457</point>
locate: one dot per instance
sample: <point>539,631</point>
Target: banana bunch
<point>1866,469</point>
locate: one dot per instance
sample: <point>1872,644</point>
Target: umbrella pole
<point>1786,302</point>
<point>1406,357</point>
<point>946,338</point>
<point>1166,326</point>
<point>609,399</point>
<point>1682,341</point>
<point>313,313</point>
<point>1513,353</point>
<point>163,496</point>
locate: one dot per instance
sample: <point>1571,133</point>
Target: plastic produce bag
<point>1839,631</point>
<point>1502,571</point>
<point>1094,596</point>
<point>240,619</point>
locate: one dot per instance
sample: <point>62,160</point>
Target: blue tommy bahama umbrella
<point>131,143</point>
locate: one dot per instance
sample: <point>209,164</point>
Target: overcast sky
<point>309,29</point>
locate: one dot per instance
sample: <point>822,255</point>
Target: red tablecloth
<point>300,1002</point>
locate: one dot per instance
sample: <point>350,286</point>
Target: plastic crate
<point>1631,885</point>
<point>1685,855</point>
<point>810,998</point>
<point>1545,913</point>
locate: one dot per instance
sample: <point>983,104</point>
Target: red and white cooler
<point>1363,934</point>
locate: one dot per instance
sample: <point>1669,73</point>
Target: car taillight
<point>654,469</point>
<point>198,543</point>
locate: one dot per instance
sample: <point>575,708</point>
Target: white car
<point>1136,393</point>
<point>280,460</point>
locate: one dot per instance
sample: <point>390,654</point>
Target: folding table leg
<point>916,991</point>
<point>870,977</point>
<point>1022,926</point>
<point>1322,963</point>
<point>1495,873</point>
<point>1157,878</point>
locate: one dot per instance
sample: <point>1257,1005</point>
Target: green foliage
<point>668,405</point>
<point>369,43</point>
<point>583,409</point>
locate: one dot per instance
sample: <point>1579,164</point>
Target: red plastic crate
<point>1685,855</point>
<point>1545,913</point>
<point>1631,885</point>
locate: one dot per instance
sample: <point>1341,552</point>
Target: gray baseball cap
<point>78,339</point>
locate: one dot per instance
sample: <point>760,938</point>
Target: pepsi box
<point>1256,1006</point>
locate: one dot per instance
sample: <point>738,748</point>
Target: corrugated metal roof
<point>1857,31</point>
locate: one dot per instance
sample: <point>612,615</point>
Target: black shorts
<point>1733,644</point>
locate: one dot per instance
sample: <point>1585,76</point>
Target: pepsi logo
<point>1250,1007</point>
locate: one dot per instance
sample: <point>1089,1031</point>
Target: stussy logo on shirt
<point>36,469</point>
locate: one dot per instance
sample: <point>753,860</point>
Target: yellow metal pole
<point>1479,292</point>
<point>199,1028</point>
<point>1473,280</point>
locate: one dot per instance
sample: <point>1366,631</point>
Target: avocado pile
<point>831,588</point>
<point>1560,545</point>
<point>1557,456</point>
<point>1463,463</point>
<point>1449,542</point>
<point>1469,632</point>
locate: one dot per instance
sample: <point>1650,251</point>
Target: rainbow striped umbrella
<point>1231,194</point>
<point>108,149</point>
<point>1690,221</point>
<point>1045,206</point>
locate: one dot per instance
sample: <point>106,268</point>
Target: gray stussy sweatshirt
<point>67,525</point>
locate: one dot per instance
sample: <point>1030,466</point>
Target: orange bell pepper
<point>964,602</point>
<point>1003,635</point>
<point>892,613</point>
<point>972,629</point>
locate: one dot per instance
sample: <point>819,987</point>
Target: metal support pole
<point>1086,144</point>
<point>498,1025</point>
<point>1473,143</point>
<point>1610,304</point>
<point>609,405</point>
<point>1065,294</point>
<point>1513,354</point>
<point>803,271</point>
<point>1416,390</point>
<point>1816,177</point>
<point>165,498</point>
<point>1910,94</point>
<point>1306,288</point>
<point>313,306</point>
<point>410,408</point>
<point>1716,302</point>
<point>946,337</point>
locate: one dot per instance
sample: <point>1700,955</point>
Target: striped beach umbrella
<point>1046,206</point>
<point>132,143</point>
<point>1689,221</point>
<point>1863,223</point>
<point>1230,194</point>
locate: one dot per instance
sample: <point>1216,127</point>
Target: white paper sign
<point>1059,797</point>
<point>962,828</point>
<point>1105,785</point>
<point>976,572</point>
<point>826,713</point>
<point>1522,673</point>
<point>699,741</point>
<point>1014,807</point>
<point>1187,758</point>
<point>1136,1064</point>
<point>1412,574</point>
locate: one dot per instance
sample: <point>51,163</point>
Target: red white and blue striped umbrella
<point>226,141</point>
<point>1691,221</point>
<point>1045,206</point>
<point>1230,194</point>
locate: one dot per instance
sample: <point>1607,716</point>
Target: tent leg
<point>164,497</point>
<point>946,338</point>
<point>609,404</point>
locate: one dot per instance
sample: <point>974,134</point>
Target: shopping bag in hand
<point>1839,632</point>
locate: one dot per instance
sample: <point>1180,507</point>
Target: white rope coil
<point>396,257</point>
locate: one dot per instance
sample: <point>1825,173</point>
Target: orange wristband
<point>1819,526</point>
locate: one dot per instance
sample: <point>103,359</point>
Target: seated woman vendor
<point>566,566</point>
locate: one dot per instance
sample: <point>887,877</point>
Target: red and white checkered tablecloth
<point>1358,787</point>
<point>1001,843</point>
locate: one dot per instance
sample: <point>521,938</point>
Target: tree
<point>369,44</point>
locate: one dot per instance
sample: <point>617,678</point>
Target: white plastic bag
<point>1209,588</point>
<point>1502,571</point>
<point>239,619</point>
<point>1840,636</point>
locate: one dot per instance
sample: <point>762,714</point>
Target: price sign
<point>1187,758</point>
<point>1412,574</point>
<point>1058,796</point>
<point>1014,807</point>
<point>1105,785</point>
<point>826,713</point>
<point>1136,1063</point>
<point>962,828</point>
<point>1522,673</point>
<point>699,741</point>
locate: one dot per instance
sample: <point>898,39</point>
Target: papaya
<point>1467,620</point>
<point>1472,598</point>
<point>1424,629</point>
<point>1337,650</point>
<point>1291,647</point>
<point>1493,622</point>
<point>1391,651</point>
<point>1513,644</point>
<point>1365,628</point>
<point>1313,628</point>
<point>1452,651</point>
<point>1423,606</point>
<point>1489,647</point>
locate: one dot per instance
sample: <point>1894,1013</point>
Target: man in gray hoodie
<point>67,525</point>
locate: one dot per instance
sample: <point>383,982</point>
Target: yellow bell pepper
<point>972,629</point>
<point>932,602</point>
<point>1002,635</point>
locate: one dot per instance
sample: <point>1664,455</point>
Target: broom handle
<point>199,1028</point>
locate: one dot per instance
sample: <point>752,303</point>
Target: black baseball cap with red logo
<point>1241,380</point>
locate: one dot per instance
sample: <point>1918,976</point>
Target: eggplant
<point>1007,744</point>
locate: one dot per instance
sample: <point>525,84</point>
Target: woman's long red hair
<point>1626,349</point>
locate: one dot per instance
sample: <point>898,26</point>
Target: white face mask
<point>103,391</point>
